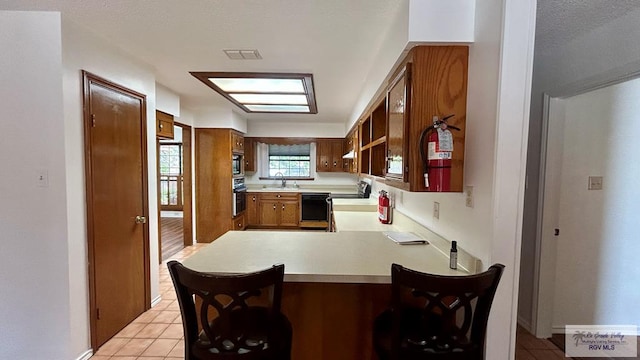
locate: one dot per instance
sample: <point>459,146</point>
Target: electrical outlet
<point>436,210</point>
<point>468,196</point>
<point>595,182</point>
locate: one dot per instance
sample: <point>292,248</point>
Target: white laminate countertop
<point>332,189</point>
<point>338,257</point>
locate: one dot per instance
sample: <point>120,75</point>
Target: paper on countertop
<point>405,238</point>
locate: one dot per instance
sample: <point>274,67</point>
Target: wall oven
<point>239,200</point>
<point>237,165</point>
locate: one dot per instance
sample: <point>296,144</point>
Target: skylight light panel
<point>259,85</point>
<point>270,99</point>
<point>278,108</point>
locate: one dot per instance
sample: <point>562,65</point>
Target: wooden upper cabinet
<point>237,142</point>
<point>164,125</point>
<point>398,102</point>
<point>430,81</point>
<point>336,155</point>
<point>329,155</point>
<point>250,149</point>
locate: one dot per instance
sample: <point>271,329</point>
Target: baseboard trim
<point>156,300</point>
<point>558,330</point>
<point>524,323</point>
<point>86,355</point>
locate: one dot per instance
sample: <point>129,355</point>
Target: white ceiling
<point>560,21</point>
<point>332,39</point>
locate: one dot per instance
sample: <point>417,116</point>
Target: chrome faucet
<point>284,180</point>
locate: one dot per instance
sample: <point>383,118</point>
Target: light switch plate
<point>595,182</point>
<point>436,210</point>
<point>468,196</point>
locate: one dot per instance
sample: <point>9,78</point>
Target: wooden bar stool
<point>232,316</point>
<point>434,316</point>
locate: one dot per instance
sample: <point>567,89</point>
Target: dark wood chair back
<point>436,317</point>
<point>232,316</point>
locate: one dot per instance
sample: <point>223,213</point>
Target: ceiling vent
<point>243,54</point>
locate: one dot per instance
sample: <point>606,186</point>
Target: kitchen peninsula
<point>335,282</point>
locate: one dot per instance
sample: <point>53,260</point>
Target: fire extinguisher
<point>436,161</point>
<point>383,208</point>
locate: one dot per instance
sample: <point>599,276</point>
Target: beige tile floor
<point>157,333</point>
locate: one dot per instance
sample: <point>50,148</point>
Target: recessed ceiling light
<point>264,92</point>
<point>238,54</point>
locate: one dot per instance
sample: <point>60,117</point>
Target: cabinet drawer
<point>279,196</point>
<point>239,222</point>
<point>164,125</point>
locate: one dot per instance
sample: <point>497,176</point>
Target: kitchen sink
<point>278,188</point>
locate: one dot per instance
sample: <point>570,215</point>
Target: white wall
<point>83,50</point>
<point>167,100</point>
<point>434,21</point>
<point>500,61</point>
<point>256,128</point>
<point>34,276</point>
<point>605,54</point>
<point>597,250</point>
<point>218,117</point>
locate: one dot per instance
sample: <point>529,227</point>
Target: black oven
<point>236,165</point>
<point>239,201</point>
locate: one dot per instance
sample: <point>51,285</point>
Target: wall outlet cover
<point>436,210</point>
<point>468,196</point>
<point>595,183</point>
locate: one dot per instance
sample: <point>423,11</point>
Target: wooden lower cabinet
<point>239,222</point>
<point>252,209</point>
<point>276,209</point>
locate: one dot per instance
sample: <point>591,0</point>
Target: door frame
<point>187,191</point>
<point>87,79</point>
<point>545,255</point>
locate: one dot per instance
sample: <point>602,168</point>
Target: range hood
<point>348,155</point>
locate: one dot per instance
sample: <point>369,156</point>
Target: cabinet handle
<point>254,198</point>
<point>160,126</point>
<point>335,163</point>
<point>278,195</point>
<point>326,164</point>
<point>274,206</point>
<point>239,225</point>
<point>282,207</point>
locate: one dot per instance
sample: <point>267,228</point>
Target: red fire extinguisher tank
<point>439,158</point>
<point>383,207</point>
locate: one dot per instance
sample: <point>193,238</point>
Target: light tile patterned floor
<point>157,333</point>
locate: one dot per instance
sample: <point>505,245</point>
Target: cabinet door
<point>252,209</point>
<point>237,142</point>
<point>399,96</point>
<point>268,212</point>
<point>336,156</point>
<point>164,125</point>
<point>289,213</point>
<point>249,154</point>
<point>323,156</point>
<point>238,223</point>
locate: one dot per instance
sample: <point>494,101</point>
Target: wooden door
<point>116,181</point>
<point>289,213</point>
<point>252,209</point>
<point>268,214</point>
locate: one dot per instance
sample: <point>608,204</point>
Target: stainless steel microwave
<point>236,164</point>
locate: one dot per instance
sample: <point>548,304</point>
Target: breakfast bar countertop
<point>321,257</point>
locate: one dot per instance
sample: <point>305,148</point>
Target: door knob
<point>141,219</point>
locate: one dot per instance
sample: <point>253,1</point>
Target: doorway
<point>174,183</point>
<point>588,234</point>
<point>117,206</point>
